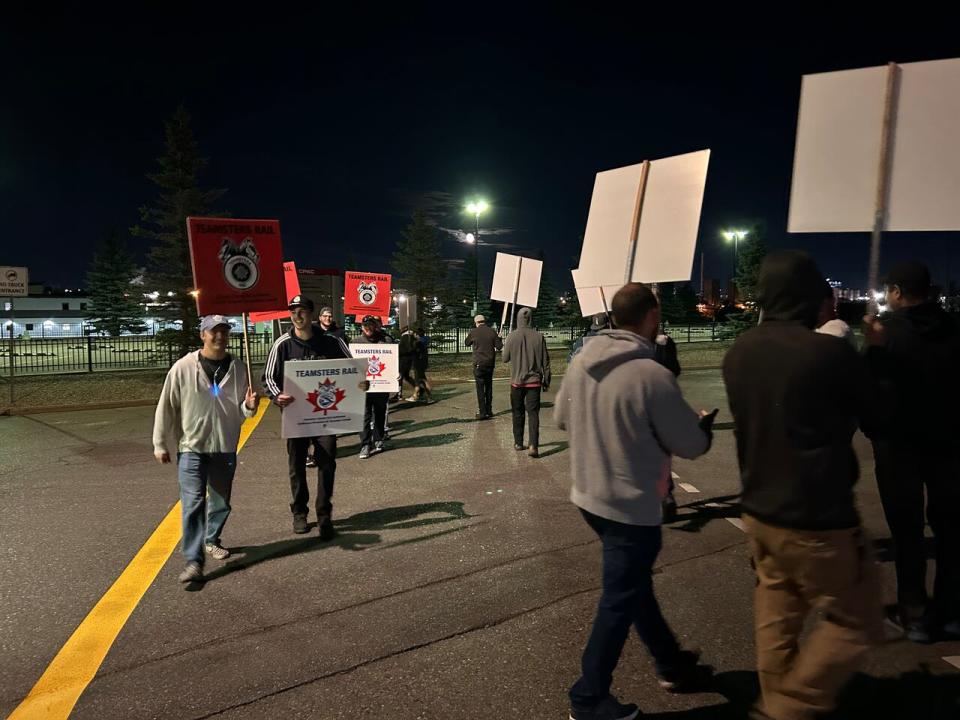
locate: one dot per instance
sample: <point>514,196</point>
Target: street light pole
<point>476,207</point>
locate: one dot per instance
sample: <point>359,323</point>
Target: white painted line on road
<point>737,523</point>
<point>954,660</point>
<point>674,475</point>
<point>688,487</point>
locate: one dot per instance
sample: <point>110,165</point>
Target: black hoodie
<point>920,365</point>
<point>796,397</point>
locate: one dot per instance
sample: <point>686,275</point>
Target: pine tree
<point>164,223</point>
<point>115,305</point>
<point>547,313</point>
<point>417,262</point>
<point>752,252</point>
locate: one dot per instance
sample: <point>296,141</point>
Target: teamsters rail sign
<point>237,265</point>
<point>328,397</point>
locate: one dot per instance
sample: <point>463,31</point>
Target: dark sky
<point>339,125</point>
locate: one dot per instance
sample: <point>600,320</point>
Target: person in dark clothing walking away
<point>917,353</point>
<point>526,351</point>
<point>407,351</point>
<point>665,353</point>
<point>421,361</point>
<point>796,397</point>
<point>600,321</point>
<point>304,343</point>
<point>624,415</point>
<point>372,439</point>
<point>485,343</point>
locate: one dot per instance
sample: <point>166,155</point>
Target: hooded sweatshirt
<point>625,416</point>
<point>193,416</point>
<point>796,397</point>
<point>526,351</point>
<point>920,365</point>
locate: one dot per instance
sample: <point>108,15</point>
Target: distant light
<point>477,207</point>
<point>879,296</point>
<point>402,298</point>
<point>731,235</point>
<point>470,238</point>
<point>170,294</point>
<point>194,293</point>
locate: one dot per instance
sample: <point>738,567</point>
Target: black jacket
<point>920,366</point>
<point>796,398</point>
<point>334,330</point>
<point>485,343</point>
<point>288,347</point>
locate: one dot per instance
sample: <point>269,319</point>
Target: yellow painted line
<point>68,675</point>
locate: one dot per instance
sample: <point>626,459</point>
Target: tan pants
<point>829,572</point>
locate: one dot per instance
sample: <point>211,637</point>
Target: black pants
<point>525,399</point>
<point>374,418</point>
<point>325,453</point>
<point>484,378</point>
<point>406,365</point>
<point>629,552</point>
<point>902,473</point>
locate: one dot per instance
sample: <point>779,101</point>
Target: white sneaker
<point>217,552</point>
<point>191,573</point>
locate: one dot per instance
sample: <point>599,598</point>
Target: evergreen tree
<point>753,249</point>
<point>417,262</point>
<point>115,305</point>
<point>164,223</point>
<point>547,312</point>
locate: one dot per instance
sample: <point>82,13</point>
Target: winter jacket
<point>625,417</point>
<point>194,416</point>
<point>526,351</point>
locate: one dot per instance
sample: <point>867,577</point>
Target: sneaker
<point>311,461</point>
<point>217,552</point>
<point>668,507</point>
<point>519,447</point>
<point>480,416</point>
<point>326,530</point>
<point>299,524</point>
<point>412,398</point>
<point>534,451</point>
<point>379,447</point>
<point>608,709</point>
<point>913,625</point>
<point>688,676</point>
<point>364,452</point>
<point>193,572</point>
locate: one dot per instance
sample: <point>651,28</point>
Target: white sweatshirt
<point>191,417</point>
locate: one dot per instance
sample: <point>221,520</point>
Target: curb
<point>10,411</point>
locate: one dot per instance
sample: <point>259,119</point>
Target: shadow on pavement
<point>403,443</point>
<point>250,555</point>
<point>704,511</point>
<point>556,447</point>
<point>403,517</point>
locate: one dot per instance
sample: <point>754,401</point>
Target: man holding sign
<point>383,381</point>
<point>303,342</point>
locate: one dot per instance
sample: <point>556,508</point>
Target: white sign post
<point>328,397</point>
<point>381,364</point>
<point>878,149</point>
<point>642,227</point>
<point>516,282</point>
<point>14,282</point>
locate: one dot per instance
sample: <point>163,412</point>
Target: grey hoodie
<point>625,416</point>
<point>526,351</point>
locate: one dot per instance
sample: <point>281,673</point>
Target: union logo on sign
<point>326,397</point>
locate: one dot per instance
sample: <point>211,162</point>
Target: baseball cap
<point>209,322</point>
<point>301,301</point>
<point>479,318</point>
<point>326,309</point>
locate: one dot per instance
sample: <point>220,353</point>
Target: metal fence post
<point>89,354</point>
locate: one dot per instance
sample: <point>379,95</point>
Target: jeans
<point>525,399</point>
<point>484,377</point>
<point>203,475</point>
<point>629,552</point>
<point>325,454</point>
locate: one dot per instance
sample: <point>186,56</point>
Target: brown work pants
<point>829,572</point>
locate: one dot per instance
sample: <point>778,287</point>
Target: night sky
<point>340,125</point>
